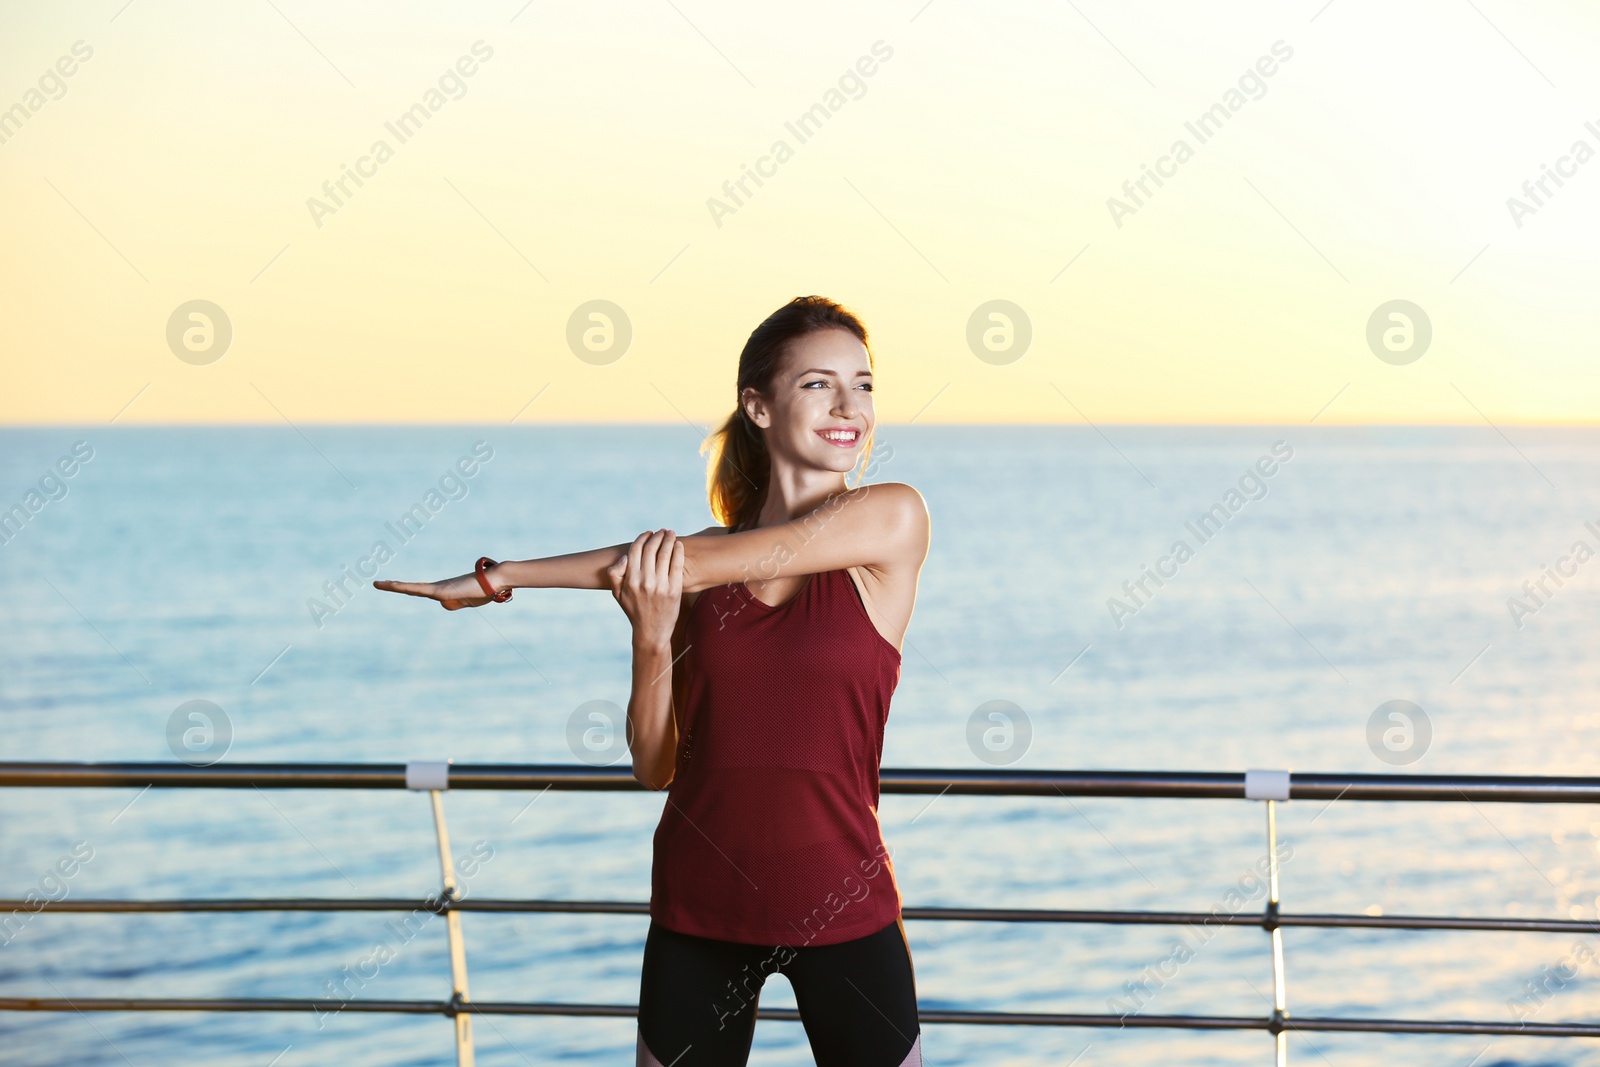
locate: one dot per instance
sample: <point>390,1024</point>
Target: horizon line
<point>377,424</point>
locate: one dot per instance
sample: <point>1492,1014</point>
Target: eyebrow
<point>820,370</point>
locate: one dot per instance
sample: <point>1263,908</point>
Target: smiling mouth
<point>842,438</point>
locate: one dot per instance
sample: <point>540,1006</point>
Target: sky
<point>1348,239</point>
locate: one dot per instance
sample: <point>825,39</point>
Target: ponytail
<point>737,476</point>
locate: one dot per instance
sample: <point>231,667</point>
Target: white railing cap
<point>1266,785</point>
<point>428,774</point>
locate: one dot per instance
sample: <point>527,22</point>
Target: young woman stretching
<point>765,653</point>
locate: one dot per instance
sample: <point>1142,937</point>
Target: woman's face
<point>819,413</point>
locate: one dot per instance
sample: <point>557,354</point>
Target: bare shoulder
<point>897,509</point>
<point>901,523</point>
<point>903,498</point>
<point>888,528</point>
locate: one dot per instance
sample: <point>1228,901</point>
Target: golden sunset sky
<point>958,155</point>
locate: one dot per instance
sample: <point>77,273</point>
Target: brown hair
<point>740,468</point>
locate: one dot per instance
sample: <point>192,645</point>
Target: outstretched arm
<point>575,570</point>
<point>882,527</point>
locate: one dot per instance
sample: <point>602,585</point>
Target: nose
<point>848,406</point>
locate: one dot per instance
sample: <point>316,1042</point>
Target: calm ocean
<point>1372,565</point>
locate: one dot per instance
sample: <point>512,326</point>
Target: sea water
<point>1435,566</point>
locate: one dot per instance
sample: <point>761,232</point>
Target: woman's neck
<point>792,493</point>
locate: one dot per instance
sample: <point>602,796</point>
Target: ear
<point>755,405</point>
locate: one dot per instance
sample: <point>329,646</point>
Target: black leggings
<point>698,997</point>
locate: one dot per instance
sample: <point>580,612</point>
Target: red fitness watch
<point>503,595</point>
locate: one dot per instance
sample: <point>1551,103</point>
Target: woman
<point>765,653</point>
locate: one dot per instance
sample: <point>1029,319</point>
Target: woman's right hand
<point>648,584</point>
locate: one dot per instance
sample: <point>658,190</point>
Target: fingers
<point>675,574</point>
<point>644,576</point>
<point>409,588</point>
<point>635,552</point>
<point>662,577</point>
<point>437,591</point>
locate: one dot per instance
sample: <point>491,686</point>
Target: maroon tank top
<point>770,832</point>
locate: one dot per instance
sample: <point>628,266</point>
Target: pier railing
<point>1268,787</point>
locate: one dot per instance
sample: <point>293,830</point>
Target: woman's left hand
<point>452,593</point>
<point>648,584</point>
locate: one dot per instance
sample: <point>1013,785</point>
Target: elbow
<point>653,779</point>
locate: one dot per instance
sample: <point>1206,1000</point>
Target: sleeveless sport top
<point>770,832</point>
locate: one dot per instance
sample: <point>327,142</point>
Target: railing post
<point>1273,786</point>
<point>1280,1008</point>
<point>435,777</point>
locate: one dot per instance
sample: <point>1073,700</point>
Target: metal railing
<point>1269,787</point>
